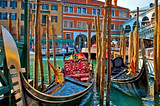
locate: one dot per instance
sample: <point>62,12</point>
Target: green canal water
<point>117,98</point>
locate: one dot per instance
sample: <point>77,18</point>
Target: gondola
<point>133,84</point>
<point>60,53</point>
<point>68,91</point>
<point>66,54</point>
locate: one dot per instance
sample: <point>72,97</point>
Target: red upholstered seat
<point>68,67</point>
<point>77,69</point>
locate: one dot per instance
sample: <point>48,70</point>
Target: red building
<point>78,13</point>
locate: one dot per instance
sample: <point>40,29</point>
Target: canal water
<point>117,98</point>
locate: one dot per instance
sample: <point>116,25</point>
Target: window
<point>3,4</point>
<point>44,19</point>
<point>65,8</point>
<point>112,26</point>
<point>94,11</point>
<point>124,14</point>
<point>13,4</point>
<point>120,14</point>
<point>120,25</point>
<point>78,24</point>
<point>79,10</point>
<point>84,25</point>
<point>71,9</point>
<point>3,16</point>
<point>70,24</point>
<point>54,7</point>
<point>13,16</point>
<point>30,5</point>
<point>22,5</point>
<point>106,26</point>
<point>84,10</point>
<point>112,13</point>
<point>99,11</point>
<point>44,31</point>
<point>34,6</point>
<point>22,17</point>
<point>68,36</point>
<point>45,7</point>
<point>22,30</point>
<point>65,24</point>
<point>53,18</point>
<point>100,25</point>
<point>93,26</point>
<point>13,31</point>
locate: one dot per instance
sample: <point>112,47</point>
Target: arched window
<point>135,24</point>
<point>127,28</point>
<point>153,16</point>
<point>145,20</point>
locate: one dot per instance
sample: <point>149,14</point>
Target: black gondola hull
<point>137,86</point>
<point>45,99</point>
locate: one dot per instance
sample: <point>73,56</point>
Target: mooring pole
<point>123,44</point>
<point>89,41</point>
<point>37,44</point>
<point>120,50</point>
<point>47,43</point>
<point>28,43</point>
<point>155,53</point>
<point>103,58</point>
<point>135,47</point>
<point>109,54</point>
<point>54,46</point>
<point>130,51</point>
<point>40,60</point>
<point>97,49</point>
<point>18,31</point>
<point>10,25</point>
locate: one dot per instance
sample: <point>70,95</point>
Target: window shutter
<point>6,3</point>
<point>6,15</point>
<point>15,16</point>
<point>15,3</point>
<point>56,19</point>
<point>56,7</point>
<point>0,15</point>
<point>47,7</point>
<point>11,3</point>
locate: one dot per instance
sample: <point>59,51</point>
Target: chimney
<point>87,1</point>
<point>115,3</point>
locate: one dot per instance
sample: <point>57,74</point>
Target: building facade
<point>77,14</point>
<point>69,17</point>
<point>15,9</point>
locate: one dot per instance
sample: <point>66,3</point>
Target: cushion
<point>68,67</point>
<point>112,64</point>
<point>118,62</point>
<point>83,65</point>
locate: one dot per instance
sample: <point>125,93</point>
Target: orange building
<point>78,13</point>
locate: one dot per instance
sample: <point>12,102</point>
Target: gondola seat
<point>77,69</point>
<point>118,65</point>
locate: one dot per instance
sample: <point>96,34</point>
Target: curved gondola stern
<point>137,86</point>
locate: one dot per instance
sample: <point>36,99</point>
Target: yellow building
<point>15,9</point>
